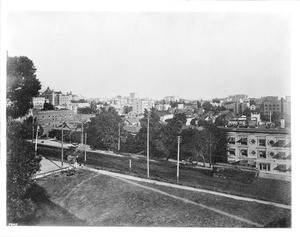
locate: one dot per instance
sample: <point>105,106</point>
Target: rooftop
<point>259,129</point>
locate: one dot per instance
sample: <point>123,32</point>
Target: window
<point>262,142</point>
<point>231,151</point>
<point>262,154</point>
<point>231,140</point>
<point>264,166</point>
<point>244,152</point>
<point>243,141</point>
<point>280,143</point>
<point>280,155</point>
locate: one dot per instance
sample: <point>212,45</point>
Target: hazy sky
<point>192,55</point>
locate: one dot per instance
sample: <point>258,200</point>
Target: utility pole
<point>270,116</point>
<point>85,148</point>
<point>81,130</point>
<point>178,151</point>
<point>62,145</point>
<point>32,129</point>
<point>148,145</point>
<point>36,138</point>
<point>209,149</point>
<point>119,140</point>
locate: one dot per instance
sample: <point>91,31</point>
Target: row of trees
<point>200,143</point>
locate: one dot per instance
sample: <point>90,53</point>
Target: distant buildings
<point>281,106</point>
<point>139,106</point>
<point>52,119</point>
<point>238,97</point>
<point>172,98</point>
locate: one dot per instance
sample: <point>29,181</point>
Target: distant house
<point>165,117</point>
<point>132,121</point>
<point>38,102</point>
<point>132,129</point>
<point>180,106</point>
<point>159,107</point>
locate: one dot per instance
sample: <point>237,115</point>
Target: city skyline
<point>191,55</point>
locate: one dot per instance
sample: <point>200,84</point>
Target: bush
<point>233,173</point>
<point>21,165</point>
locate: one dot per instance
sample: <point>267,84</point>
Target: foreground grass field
<point>88,198</point>
<point>264,189</point>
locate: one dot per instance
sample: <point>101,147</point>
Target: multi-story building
<point>38,102</point>
<point>57,97</point>
<point>271,105</point>
<point>52,119</point>
<point>63,99</point>
<point>50,96</point>
<point>132,95</point>
<point>233,106</point>
<point>267,149</point>
<point>172,98</point>
<point>139,106</point>
<point>286,109</point>
<point>238,97</point>
<point>243,106</point>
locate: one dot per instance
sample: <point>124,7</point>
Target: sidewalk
<point>47,166</point>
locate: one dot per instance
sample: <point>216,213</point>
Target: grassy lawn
<point>264,189</point>
<point>99,200</point>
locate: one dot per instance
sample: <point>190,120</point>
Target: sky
<point>192,55</point>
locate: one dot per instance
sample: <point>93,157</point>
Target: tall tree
<point>207,106</point>
<point>170,132</point>
<point>48,106</point>
<point>156,148</point>
<point>103,130</point>
<point>247,112</point>
<point>194,145</point>
<point>22,85</point>
<point>205,143</point>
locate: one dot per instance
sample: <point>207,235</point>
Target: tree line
<point>204,143</point>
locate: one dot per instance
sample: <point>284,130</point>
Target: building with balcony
<point>269,150</point>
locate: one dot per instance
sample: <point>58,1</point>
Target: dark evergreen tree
<point>22,85</point>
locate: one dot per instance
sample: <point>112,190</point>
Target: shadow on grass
<point>281,223</point>
<point>48,213</point>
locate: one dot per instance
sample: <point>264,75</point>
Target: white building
<point>173,98</point>
<point>268,149</point>
<point>38,102</point>
<point>139,106</point>
<point>165,117</point>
